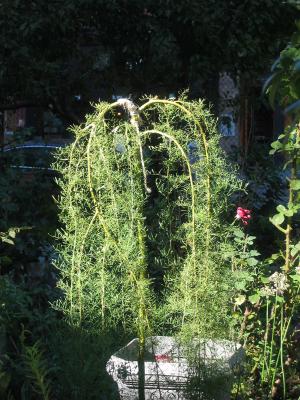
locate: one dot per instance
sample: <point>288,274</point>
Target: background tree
<point>53,51</point>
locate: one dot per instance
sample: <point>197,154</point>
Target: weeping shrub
<point>144,196</point>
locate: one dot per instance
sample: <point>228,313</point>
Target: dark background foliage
<point>52,51</point>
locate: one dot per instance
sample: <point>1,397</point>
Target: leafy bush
<point>26,201</point>
<point>143,204</point>
<point>270,305</point>
<point>25,319</point>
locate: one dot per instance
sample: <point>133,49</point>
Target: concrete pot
<point>168,374</point>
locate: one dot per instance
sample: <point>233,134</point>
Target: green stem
<point>290,204</point>
<point>273,332</point>
<point>142,316</point>
<point>73,272</point>
<point>202,134</point>
<point>185,157</point>
<point>265,364</point>
<point>172,139</point>
<point>283,332</point>
<point>289,224</point>
<point>281,353</point>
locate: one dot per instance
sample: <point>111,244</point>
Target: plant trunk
<point>141,366</point>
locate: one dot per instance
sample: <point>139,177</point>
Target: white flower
<point>279,282</point>
<point>268,291</point>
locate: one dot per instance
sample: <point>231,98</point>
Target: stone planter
<point>169,376</point>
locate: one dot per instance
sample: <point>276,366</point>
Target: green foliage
<point>52,51</point>
<point>79,359</point>
<point>143,206</point>
<point>28,214</point>
<point>27,322</point>
<point>284,83</point>
<point>40,355</point>
<point>265,184</point>
<point>9,236</point>
<point>264,179</point>
<point>37,370</point>
<point>270,333</point>
<point>23,310</point>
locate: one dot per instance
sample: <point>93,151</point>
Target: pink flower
<point>163,358</point>
<point>243,214</point>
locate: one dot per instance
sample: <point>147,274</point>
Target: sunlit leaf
<point>254,298</point>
